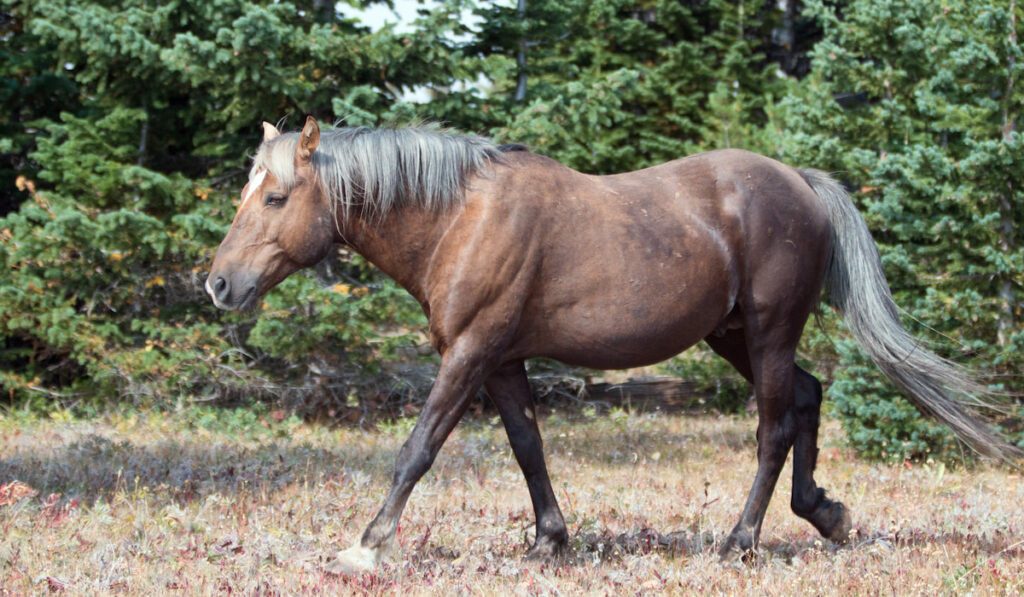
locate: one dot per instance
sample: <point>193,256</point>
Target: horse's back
<point>766,216</point>
<point>722,205</point>
<point>716,185</point>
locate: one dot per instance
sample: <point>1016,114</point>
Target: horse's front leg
<point>510,391</point>
<point>461,373</point>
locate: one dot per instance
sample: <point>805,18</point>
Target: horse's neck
<point>401,245</point>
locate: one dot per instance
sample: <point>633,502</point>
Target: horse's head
<point>284,223</point>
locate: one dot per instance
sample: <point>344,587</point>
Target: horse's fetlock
<point>804,504</point>
<point>378,536</point>
<point>554,529</point>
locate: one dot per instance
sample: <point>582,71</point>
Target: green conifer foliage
<point>617,85</point>
<point>915,104</point>
<point>129,186</point>
<point>125,127</point>
<point>30,90</point>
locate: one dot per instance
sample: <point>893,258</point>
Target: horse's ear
<point>269,131</point>
<point>308,140</point>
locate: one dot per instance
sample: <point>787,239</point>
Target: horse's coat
<point>514,256</point>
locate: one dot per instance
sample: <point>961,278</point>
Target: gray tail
<point>856,286</point>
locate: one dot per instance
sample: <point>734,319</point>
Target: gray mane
<point>377,170</point>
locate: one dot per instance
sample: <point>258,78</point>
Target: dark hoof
<point>844,524</point>
<point>547,549</point>
<point>832,519</point>
<point>739,545</point>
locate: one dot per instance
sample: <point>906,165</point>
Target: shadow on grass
<point>607,547</point>
<point>96,467</point>
<point>612,548</point>
<point>998,542</point>
<point>620,447</point>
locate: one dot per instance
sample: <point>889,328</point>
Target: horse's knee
<point>412,463</point>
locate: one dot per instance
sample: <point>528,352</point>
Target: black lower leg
<point>510,392</point>
<point>414,460</point>
<point>774,438</point>
<point>830,518</point>
<point>776,429</point>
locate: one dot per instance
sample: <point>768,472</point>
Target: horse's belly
<point>628,327</point>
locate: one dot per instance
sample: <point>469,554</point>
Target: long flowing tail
<point>857,287</point>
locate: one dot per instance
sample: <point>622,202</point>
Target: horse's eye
<point>276,199</point>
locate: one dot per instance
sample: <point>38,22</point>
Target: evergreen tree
<point>29,91</point>
<point>126,127</point>
<point>616,85</point>
<point>914,104</point>
<point>130,187</point>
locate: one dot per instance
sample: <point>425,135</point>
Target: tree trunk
<point>323,10</point>
<point>521,56</point>
<point>1006,228</point>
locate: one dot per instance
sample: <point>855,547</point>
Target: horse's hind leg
<point>775,429</point>
<point>510,392</point>
<point>809,502</point>
<point>772,373</point>
<point>791,421</point>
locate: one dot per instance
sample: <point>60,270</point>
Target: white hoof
<point>354,560</point>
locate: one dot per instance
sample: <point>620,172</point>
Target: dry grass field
<point>209,502</point>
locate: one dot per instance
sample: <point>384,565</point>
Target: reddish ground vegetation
<point>141,505</point>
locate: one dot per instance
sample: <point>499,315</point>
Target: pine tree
<point>129,189</point>
<point>615,85</point>
<point>914,104</point>
<point>29,91</point>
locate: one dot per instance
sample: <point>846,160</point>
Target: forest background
<point>126,128</point>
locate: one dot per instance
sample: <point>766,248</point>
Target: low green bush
<point>879,422</point>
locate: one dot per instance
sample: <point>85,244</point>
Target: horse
<point>513,255</point>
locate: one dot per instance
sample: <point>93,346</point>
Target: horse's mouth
<point>250,300</point>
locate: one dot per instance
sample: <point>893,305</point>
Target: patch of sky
<point>402,15</point>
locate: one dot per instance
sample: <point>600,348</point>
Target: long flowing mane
<point>377,170</point>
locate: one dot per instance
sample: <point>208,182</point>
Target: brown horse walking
<point>513,256</point>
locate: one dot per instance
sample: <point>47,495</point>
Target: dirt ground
<point>207,503</point>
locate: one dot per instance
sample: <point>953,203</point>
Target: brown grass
<point>158,504</point>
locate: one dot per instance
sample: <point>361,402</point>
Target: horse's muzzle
<point>232,297</point>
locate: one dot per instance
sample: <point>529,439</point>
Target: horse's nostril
<point>220,288</point>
